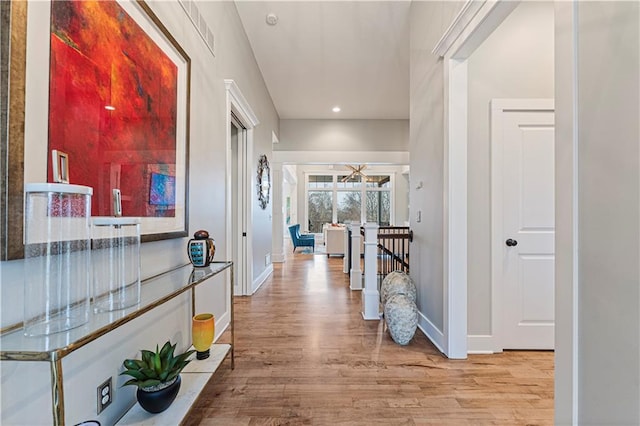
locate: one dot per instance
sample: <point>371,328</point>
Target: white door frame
<point>473,24</point>
<point>236,103</point>
<point>498,106</point>
<point>471,27</point>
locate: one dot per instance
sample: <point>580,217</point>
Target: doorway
<point>239,217</point>
<point>239,150</point>
<point>479,32</point>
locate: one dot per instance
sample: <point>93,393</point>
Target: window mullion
<point>335,199</point>
<point>363,202</point>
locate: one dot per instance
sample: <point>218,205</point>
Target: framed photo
<point>60,163</point>
<point>117,104</point>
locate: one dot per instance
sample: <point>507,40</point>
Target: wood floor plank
<point>304,356</point>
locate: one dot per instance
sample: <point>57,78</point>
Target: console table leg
<point>57,392</point>
<point>233,321</point>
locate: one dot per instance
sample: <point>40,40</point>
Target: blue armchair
<point>301,240</point>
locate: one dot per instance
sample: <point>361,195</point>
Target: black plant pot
<point>158,401</point>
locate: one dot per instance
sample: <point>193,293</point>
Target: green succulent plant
<point>155,367</point>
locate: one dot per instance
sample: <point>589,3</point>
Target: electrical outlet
<point>105,395</point>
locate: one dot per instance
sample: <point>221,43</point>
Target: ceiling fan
<point>356,171</point>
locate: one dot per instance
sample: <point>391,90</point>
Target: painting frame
<point>13,16</point>
<point>29,168</point>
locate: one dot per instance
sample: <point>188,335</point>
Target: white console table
<point>154,292</point>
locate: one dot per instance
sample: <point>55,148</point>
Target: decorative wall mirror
<point>264,181</point>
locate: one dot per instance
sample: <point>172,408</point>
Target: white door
<point>523,221</point>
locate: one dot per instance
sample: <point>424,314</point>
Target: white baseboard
<point>431,331</point>
<point>262,278</point>
<point>481,344</point>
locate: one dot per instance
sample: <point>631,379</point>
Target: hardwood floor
<point>304,356</point>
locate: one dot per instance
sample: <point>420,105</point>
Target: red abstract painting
<point>112,105</point>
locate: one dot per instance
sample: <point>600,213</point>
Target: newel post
<point>345,250</point>
<point>356,272</point>
<point>370,295</point>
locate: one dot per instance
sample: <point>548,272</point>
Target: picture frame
<point>121,164</point>
<point>60,164</point>
<point>13,28</point>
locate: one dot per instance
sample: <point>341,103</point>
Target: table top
<point>154,292</point>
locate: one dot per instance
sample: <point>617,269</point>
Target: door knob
<point>511,243</point>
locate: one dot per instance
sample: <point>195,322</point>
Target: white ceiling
<point>320,54</point>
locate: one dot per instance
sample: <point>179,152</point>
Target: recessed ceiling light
<point>336,109</point>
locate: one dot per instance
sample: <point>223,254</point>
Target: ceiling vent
<point>199,23</point>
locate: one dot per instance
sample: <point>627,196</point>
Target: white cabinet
<point>334,240</point>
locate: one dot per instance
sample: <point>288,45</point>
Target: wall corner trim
<point>431,331</point>
<point>460,22</point>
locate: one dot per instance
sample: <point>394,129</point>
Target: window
<point>317,181</point>
<point>378,205</point>
<point>343,183</point>
<point>334,198</point>
<point>320,202</point>
<point>379,181</point>
<point>349,206</point>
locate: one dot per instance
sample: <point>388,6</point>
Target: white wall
<point>429,20</point>
<point>290,189</point>
<point>515,61</point>
<point>598,142</point>
<point>343,135</point>
<point>565,392</point>
<point>234,59</point>
<point>401,197</point>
